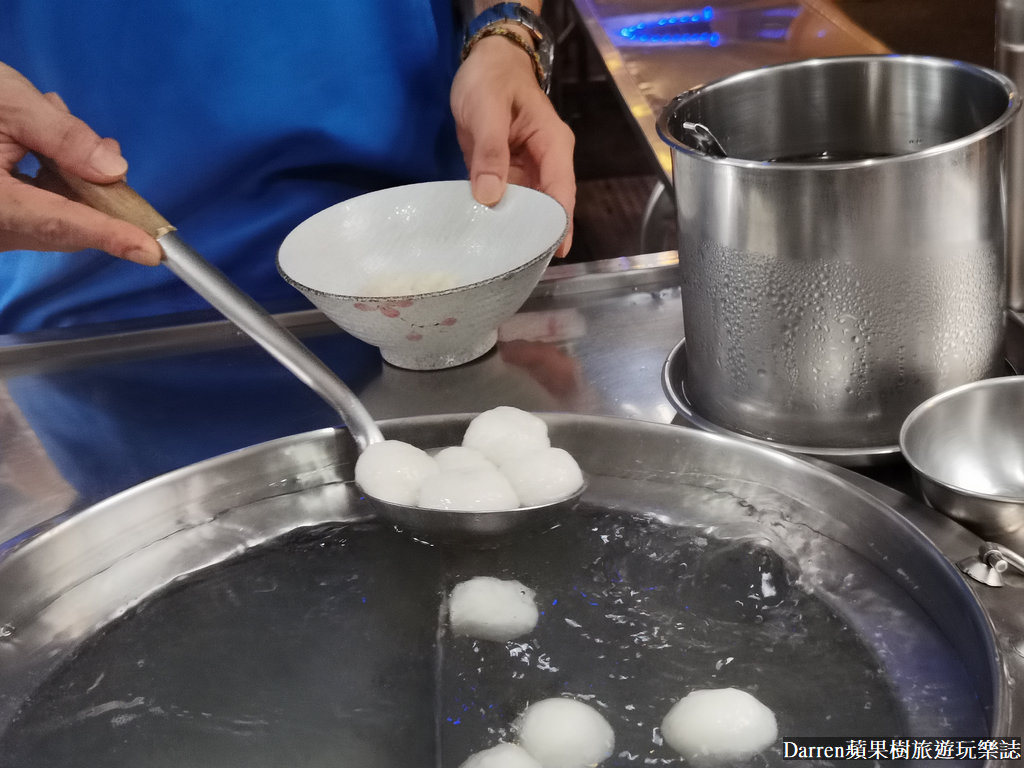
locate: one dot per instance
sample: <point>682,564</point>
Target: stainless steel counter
<point>88,414</point>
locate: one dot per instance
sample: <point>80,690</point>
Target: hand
<point>509,130</point>
<point>34,217</point>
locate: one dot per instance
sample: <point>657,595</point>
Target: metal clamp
<point>991,562</point>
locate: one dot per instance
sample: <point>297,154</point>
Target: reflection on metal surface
<point>775,23</point>
<point>1015,340</point>
<point>1010,59</point>
<point>31,487</point>
<point>672,378</point>
<point>680,28</point>
<point>649,68</point>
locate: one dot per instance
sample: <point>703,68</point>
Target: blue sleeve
<point>238,121</point>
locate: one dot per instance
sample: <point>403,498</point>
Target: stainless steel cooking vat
<point>845,261</point>
<point>1010,59</point>
<point>328,685</point>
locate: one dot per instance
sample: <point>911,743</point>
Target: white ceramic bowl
<point>423,271</point>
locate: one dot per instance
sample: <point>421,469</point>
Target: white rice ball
<point>394,471</point>
<point>543,476</point>
<point>501,756</point>
<point>460,457</point>
<point>504,432</point>
<point>468,490</point>
<point>491,609</point>
<point>565,733</point>
<point>719,725</point>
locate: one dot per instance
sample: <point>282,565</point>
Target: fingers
<point>36,214</point>
<point>43,124</point>
<point>37,219</point>
<point>509,130</point>
<point>490,157</point>
<point>544,160</point>
<point>557,176</point>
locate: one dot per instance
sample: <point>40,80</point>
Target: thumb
<point>489,161</point>
<point>43,124</point>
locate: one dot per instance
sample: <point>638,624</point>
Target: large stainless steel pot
<point>845,261</point>
<point>323,650</point>
<point>1010,59</point>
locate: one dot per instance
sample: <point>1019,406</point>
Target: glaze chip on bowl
<point>423,271</point>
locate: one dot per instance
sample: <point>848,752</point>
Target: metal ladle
<point>704,139</point>
<point>121,201</point>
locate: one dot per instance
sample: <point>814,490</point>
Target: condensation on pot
<point>824,300</point>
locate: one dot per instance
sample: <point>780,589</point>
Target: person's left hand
<point>509,130</point>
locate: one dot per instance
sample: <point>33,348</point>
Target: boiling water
<point>326,649</point>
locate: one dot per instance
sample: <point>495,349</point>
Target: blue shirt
<point>238,121</point>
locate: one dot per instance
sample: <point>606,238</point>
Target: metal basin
<point>844,261</point>
<point>245,611</point>
<point>966,447</point>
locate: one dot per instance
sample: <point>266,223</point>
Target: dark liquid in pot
<point>830,157</point>
<point>325,649</point>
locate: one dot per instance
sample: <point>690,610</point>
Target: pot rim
<point>1013,106</point>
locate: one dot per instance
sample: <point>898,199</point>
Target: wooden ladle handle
<point>116,199</point>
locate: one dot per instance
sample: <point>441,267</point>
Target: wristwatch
<point>490,22</point>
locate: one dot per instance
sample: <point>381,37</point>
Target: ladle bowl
<point>463,526</point>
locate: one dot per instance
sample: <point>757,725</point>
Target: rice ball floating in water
<point>504,432</point>
<point>501,756</point>
<point>468,490</point>
<point>394,471</point>
<point>565,733</point>
<point>543,476</point>
<point>491,609</point>
<point>719,725</point>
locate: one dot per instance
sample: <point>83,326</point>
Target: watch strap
<point>490,22</point>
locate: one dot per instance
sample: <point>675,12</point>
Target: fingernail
<point>107,161</point>
<point>488,189</point>
<point>566,246</point>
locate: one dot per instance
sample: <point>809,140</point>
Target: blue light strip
<point>666,30</point>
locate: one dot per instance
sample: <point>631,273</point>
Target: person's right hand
<point>35,218</point>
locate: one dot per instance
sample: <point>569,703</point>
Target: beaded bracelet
<point>538,68</point>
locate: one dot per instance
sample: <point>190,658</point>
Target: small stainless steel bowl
<point>966,447</point>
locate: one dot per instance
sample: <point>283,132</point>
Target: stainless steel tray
<point>64,588</point>
<point>673,373</point>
